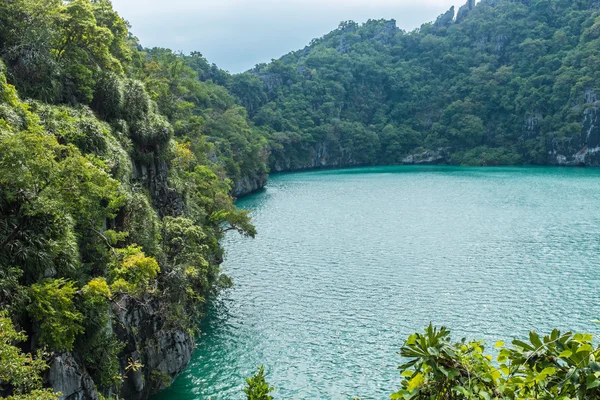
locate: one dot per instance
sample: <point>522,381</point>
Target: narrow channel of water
<point>347,263</point>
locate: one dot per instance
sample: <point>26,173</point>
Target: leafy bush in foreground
<point>557,366</point>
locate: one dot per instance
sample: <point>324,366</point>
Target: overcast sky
<point>238,34</point>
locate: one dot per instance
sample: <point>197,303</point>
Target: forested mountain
<point>118,164</point>
<point>505,82</point>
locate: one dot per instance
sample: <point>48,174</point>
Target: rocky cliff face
<point>249,184</point>
<point>464,10</point>
<point>155,350</point>
<point>583,149</point>
<point>161,353</point>
<point>164,352</point>
<point>66,375</point>
<point>445,19</point>
<point>433,157</point>
<point>321,155</point>
<point>154,175</point>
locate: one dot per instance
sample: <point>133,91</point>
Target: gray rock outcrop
<point>446,19</point>
<point>439,156</point>
<point>66,376</point>
<point>249,184</point>
<point>321,155</point>
<point>155,175</point>
<point>582,149</point>
<point>464,10</point>
<point>386,33</point>
<point>162,351</point>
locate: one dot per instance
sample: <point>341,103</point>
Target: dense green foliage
<point>506,83</point>
<point>118,165</point>
<point>116,176</point>
<point>21,371</point>
<point>557,366</point>
<point>204,113</point>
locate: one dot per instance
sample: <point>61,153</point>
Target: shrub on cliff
<point>136,102</point>
<point>154,131</point>
<point>132,271</point>
<point>20,373</point>
<point>52,306</point>
<point>109,96</point>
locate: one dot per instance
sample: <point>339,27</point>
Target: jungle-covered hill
<point>500,82</point>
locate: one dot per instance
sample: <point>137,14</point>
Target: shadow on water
<point>257,192</point>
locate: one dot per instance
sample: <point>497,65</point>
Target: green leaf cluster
<point>132,272</point>
<point>257,387</point>
<point>556,366</point>
<point>52,306</point>
<point>22,371</point>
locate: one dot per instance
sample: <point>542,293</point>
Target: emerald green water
<point>347,263</point>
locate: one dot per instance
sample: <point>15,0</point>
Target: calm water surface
<point>347,263</point>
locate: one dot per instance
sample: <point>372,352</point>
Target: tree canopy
<point>117,168</point>
<point>507,82</point>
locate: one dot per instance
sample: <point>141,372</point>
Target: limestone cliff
<point>582,149</point>
<point>249,184</point>
<point>164,352</point>
<point>154,350</point>
<point>321,155</point>
<point>464,10</point>
<point>324,155</point>
<point>161,352</point>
